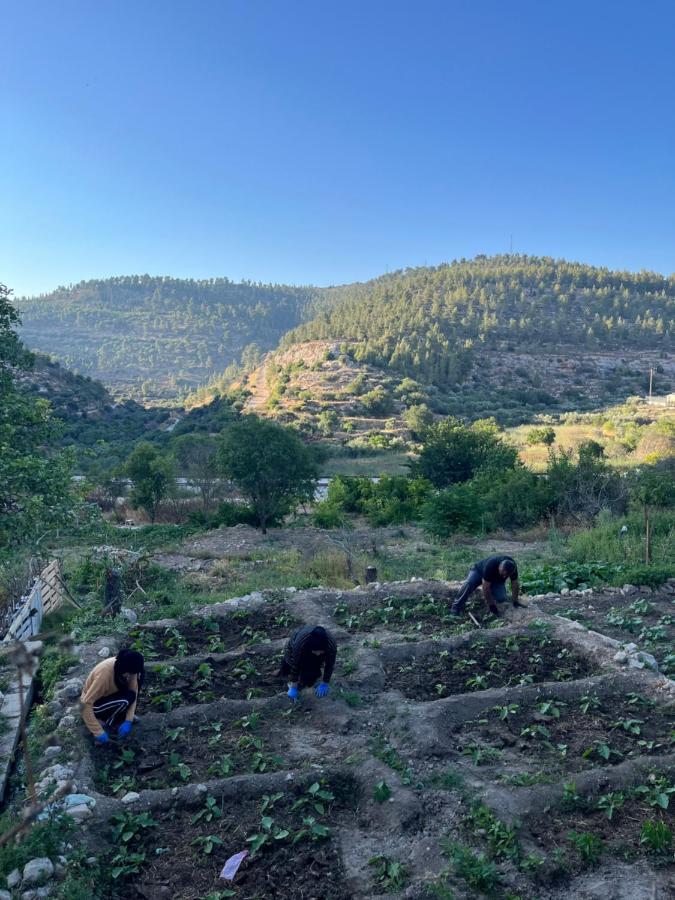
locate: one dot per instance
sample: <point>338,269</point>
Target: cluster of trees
<point>429,323</point>
<point>34,477</point>
<point>158,336</point>
<point>272,468</point>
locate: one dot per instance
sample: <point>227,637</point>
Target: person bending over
<point>110,693</point>
<point>309,656</point>
<point>491,574</point>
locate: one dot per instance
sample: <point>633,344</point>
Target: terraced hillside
<point>530,758</point>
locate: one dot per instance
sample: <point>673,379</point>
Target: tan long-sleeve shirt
<point>101,683</point>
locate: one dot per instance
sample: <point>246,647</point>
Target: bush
<point>328,515</point>
<point>458,508</point>
<point>454,453</point>
<point>513,499</point>
<point>229,514</point>
<point>544,435</point>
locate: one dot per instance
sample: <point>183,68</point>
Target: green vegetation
<point>270,465</point>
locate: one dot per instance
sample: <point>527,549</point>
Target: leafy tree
<point>418,418</point>
<point>153,476</point>
<point>196,457</point>
<point>457,508</point>
<point>269,464</point>
<point>327,422</point>
<point>543,435</point>
<point>454,452</point>
<point>34,480</point>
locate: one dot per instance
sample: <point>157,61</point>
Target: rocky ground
<point>531,757</point>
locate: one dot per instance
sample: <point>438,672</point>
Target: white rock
<point>291,590</point>
<point>79,813</point>
<point>130,797</point>
<point>104,652</point>
<point>621,657</point>
<point>43,891</point>
<point>37,871</point>
<point>91,860</point>
<point>5,895</point>
<point>565,591</point>
<point>13,879</point>
<point>52,751</point>
<point>66,722</point>
<point>29,895</point>
<point>54,708</point>
<point>631,648</point>
<point>201,789</point>
<point>129,615</point>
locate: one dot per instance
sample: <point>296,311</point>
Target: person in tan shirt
<point>110,693</point>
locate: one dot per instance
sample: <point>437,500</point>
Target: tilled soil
<point>564,737</point>
<point>244,678</point>
<point>482,665</point>
<point>413,616</point>
<point>293,864</point>
<point>242,629</point>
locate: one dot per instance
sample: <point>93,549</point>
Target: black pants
<point>112,710</point>
<point>474,581</point>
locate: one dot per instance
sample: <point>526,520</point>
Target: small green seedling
<point>589,846</point>
<point>209,811</point>
<point>506,711</point>
<point>657,837</point>
<point>551,708</point>
<point>206,843</point>
<point>657,792</point>
<point>611,802</point>
<point>381,792</point>
<point>130,826</point>
<point>589,702</point>
<point>390,873</point>
<point>173,734</point>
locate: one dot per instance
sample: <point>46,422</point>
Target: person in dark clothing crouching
<point>309,656</point>
<point>491,574</point>
<point>110,693</point>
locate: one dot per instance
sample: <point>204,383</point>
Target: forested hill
<point>418,321</point>
<point>153,338</point>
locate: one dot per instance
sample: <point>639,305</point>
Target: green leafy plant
<point>311,829</point>
<point>173,734</point>
<point>315,796</point>
<point>502,838</point>
<point>657,792</point>
<point>589,702</point>
<point>381,792</point>
<point>632,726</point>
<point>475,868</point>
<point>245,669</point>
<point>390,874</point>
<point>269,800</point>
<point>126,863</point>
<point>178,767</point>
<point>206,843</point>
<point>128,826</point>
<point>209,811</point>
<point>589,846</point>
<point>478,682</point>
<point>204,675</point>
<point>268,832</point>
<point>505,711</point>
<point>656,836</point>
<point>551,708</point>
<point>611,802</point>
<point>481,755</point>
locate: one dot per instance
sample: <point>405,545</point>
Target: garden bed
<point>178,855</point>
<point>425,615</point>
<point>564,737</point>
<point>647,620</point>
<point>166,756</point>
<point>245,677</point>
<point>628,824</point>
<point>479,665</point>
<point>240,630</point>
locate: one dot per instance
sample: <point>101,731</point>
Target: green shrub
<point>457,509</point>
<point>230,514</point>
<point>328,515</point>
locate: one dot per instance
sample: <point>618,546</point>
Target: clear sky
<point>327,142</point>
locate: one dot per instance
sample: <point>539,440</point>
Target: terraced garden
<point>531,758</point>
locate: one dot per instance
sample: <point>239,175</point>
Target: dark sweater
<point>298,657</point>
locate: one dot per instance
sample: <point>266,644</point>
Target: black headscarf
<point>128,662</point>
<point>317,640</point>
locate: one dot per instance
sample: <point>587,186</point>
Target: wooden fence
<point>47,594</point>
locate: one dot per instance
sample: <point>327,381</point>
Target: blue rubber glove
<point>102,738</point>
<point>321,689</point>
<point>293,692</point>
<point>124,729</point>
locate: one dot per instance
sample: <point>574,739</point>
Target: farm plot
<point>480,664</point>
<point>289,836</point>
<point>645,619</point>
<point>536,739</point>
<point>239,630</point>
<point>553,737</point>
<point>243,677</point>
<point>427,615</point>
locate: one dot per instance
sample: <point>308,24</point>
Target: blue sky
<point>319,142</point>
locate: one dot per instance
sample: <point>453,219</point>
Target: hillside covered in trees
<point>153,338</point>
<point>422,321</point>
<point>491,324</point>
